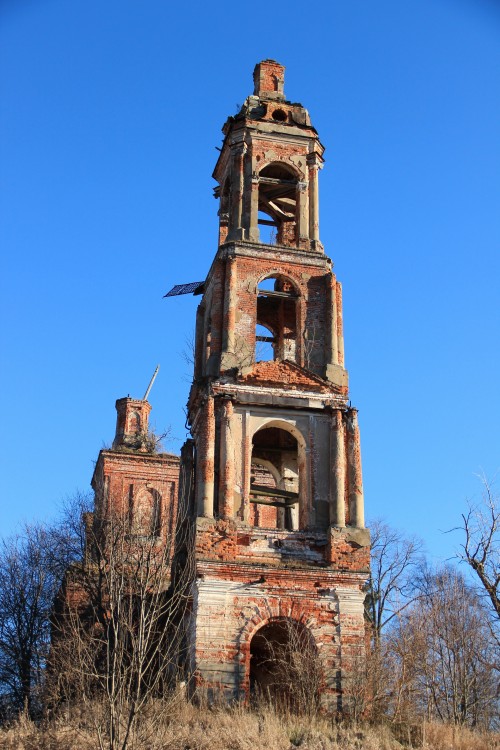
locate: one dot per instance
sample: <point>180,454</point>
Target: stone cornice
<point>315,400</point>
<point>234,574</point>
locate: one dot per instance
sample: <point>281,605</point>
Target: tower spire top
<point>269,80</point>
<point>268,166</point>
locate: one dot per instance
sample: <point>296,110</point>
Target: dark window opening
<point>279,115</point>
<point>276,320</point>
<point>278,200</point>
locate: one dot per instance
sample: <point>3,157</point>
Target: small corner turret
<point>132,423</point>
<point>269,80</point>
<point>132,481</point>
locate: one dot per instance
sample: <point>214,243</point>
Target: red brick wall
<point>266,74</point>
<point>122,478</point>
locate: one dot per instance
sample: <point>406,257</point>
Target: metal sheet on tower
<point>194,287</point>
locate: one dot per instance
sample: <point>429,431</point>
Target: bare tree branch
<point>395,560</point>
<point>446,661</point>
<point>119,630</point>
<point>480,549</point>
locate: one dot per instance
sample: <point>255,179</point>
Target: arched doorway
<point>284,665</point>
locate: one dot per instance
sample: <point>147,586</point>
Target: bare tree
<point>32,565</point>
<point>481,546</point>
<point>119,630</point>
<point>395,559</point>
<point>444,656</point>
<point>368,683</point>
<point>391,588</point>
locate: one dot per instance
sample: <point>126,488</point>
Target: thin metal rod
<point>151,383</point>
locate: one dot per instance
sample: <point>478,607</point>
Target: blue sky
<point>110,115</point>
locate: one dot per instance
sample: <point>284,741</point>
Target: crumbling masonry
<point>278,488</point>
<point>277,494</point>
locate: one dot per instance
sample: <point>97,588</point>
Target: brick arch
<point>259,619</point>
<point>273,273</point>
<point>284,162</point>
<point>283,424</point>
<point>262,618</point>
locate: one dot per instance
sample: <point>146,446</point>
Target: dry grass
<point>195,728</point>
<point>447,737</point>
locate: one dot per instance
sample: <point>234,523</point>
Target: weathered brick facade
<point>275,453</point>
<point>131,481</point>
<point>129,547</point>
<point>271,478</point>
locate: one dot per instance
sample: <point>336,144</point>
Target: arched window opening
<point>145,513</point>
<point>274,482</point>
<point>277,313</point>
<point>208,340</point>
<point>278,200</point>
<point>225,200</point>
<point>134,425</point>
<point>285,668</point>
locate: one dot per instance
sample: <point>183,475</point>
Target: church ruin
<point>271,477</point>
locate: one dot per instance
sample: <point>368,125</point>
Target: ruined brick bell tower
<point>280,543</point>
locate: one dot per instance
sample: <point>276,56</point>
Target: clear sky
<point>110,115</point>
